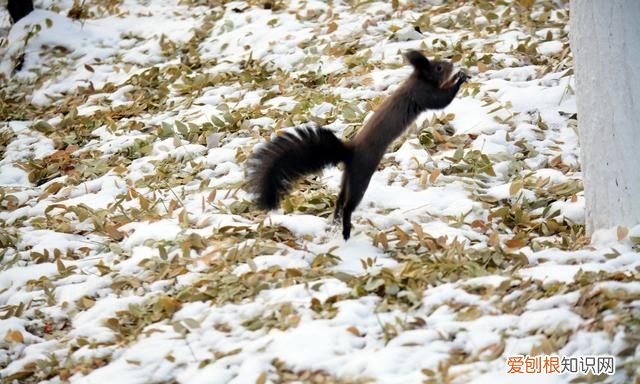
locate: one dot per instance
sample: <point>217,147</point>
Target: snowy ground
<point>131,253</point>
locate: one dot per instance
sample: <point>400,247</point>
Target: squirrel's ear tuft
<point>417,60</point>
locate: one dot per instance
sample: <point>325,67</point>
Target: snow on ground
<point>131,252</point>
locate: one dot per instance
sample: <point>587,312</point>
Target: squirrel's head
<point>438,73</point>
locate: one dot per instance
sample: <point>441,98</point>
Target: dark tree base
<point>19,9</point>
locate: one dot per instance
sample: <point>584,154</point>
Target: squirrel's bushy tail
<point>275,166</point>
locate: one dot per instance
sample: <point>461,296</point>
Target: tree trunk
<point>605,40</point>
<point>19,9</point>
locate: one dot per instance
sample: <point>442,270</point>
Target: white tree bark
<point>605,40</point>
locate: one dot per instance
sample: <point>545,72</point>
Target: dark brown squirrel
<point>275,166</point>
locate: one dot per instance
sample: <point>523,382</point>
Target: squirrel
<point>275,166</point>
<point>19,9</point>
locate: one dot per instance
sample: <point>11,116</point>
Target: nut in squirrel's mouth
<point>449,82</point>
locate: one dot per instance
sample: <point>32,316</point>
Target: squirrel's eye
<point>439,68</point>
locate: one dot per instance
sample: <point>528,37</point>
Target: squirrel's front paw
<point>462,77</point>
